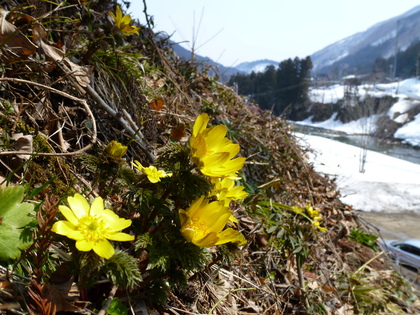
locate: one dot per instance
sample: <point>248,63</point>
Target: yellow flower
<point>314,214</point>
<point>225,190</point>
<point>91,226</point>
<point>203,223</point>
<point>116,149</point>
<point>123,22</point>
<point>212,152</point>
<point>153,174</point>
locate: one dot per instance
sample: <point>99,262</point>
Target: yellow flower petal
<point>202,223</point>
<point>104,249</point>
<point>63,227</point>
<point>118,225</point>
<point>183,217</point>
<point>231,235</point>
<point>109,215</point>
<point>200,124</point>
<point>215,160</point>
<point>121,237</point>
<point>126,20</point>
<point>84,245</point>
<point>208,241</point>
<point>196,206</point>
<point>79,205</point>
<point>91,226</point>
<point>216,136</point>
<point>68,214</point>
<point>97,207</point>
<point>76,235</point>
<point>220,222</point>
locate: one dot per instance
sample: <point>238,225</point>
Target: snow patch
<point>388,184</point>
<point>410,132</point>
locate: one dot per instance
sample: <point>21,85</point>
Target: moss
<point>40,144</point>
<point>56,173</point>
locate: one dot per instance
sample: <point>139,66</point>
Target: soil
<point>399,226</point>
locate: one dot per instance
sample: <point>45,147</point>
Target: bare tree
<point>365,110</point>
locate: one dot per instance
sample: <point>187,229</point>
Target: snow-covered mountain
<point>256,66</point>
<point>380,40</point>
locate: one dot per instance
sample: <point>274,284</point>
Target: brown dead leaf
<point>179,132</point>
<point>6,289</point>
<point>80,73</point>
<point>157,104</point>
<point>61,285</point>
<point>11,37</point>
<point>38,30</point>
<point>52,52</point>
<point>23,144</point>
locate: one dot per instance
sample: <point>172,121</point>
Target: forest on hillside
<point>283,90</point>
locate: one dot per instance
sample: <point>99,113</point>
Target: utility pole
<point>396,52</point>
<point>418,67</point>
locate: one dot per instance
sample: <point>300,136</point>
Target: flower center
<point>93,228</point>
<point>199,227</point>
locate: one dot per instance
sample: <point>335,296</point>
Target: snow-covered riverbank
<point>387,185</point>
<point>402,112</point>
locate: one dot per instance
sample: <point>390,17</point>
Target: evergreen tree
<point>283,90</point>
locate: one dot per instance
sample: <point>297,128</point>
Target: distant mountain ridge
<point>346,56</point>
<point>256,66</point>
<point>218,69</point>
<point>380,40</point>
<point>225,72</point>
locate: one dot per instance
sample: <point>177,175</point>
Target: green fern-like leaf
<point>143,241</point>
<point>175,158</point>
<point>122,270</point>
<point>191,256</point>
<point>89,265</point>
<point>158,259</point>
<point>191,186</point>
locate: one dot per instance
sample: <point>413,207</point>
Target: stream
<point>394,148</point>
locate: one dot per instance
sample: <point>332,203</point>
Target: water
<point>394,149</point>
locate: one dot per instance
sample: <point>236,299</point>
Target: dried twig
<point>108,300</point>
<point>117,116</point>
<point>79,100</point>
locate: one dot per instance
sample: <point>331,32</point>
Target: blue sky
<point>235,31</point>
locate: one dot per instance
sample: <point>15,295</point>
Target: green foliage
<point>16,217</point>
<point>360,236</point>
<point>122,270</point>
<point>175,157</point>
<point>369,295</point>
<point>289,229</point>
<point>117,308</point>
<point>143,241</point>
<point>89,265</point>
